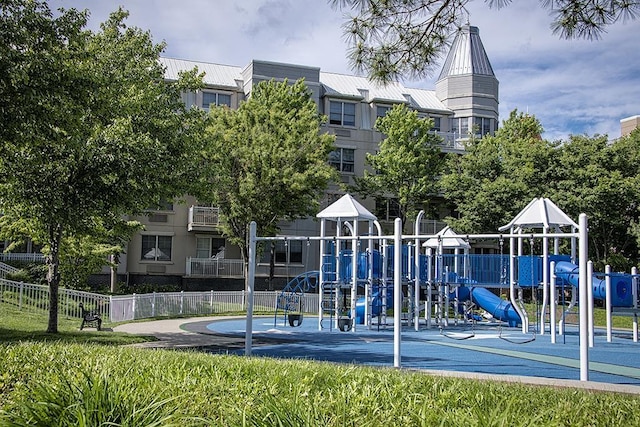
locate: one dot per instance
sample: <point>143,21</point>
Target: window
<point>215,99</point>
<point>436,124</point>
<point>209,247</point>
<point>164,205</point>
<point>387,209</point>
<point>382,110</point>
<point>342,113</point>
<point>464,127</point>
<point>482,125</point>
<point>342,159</point>
<point>289,251</point>
<point>156,248</point>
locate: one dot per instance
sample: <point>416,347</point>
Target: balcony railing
<point>431,226</point>
<point>453,141</point>
<point>25,257</point>
<point>203,218</point>
<point>215,267</point>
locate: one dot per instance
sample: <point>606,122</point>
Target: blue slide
<point>491,303</point>
<point>621,291</point>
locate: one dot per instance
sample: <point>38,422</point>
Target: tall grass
<point>72,384</point>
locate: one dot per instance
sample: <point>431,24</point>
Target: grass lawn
<point>86,378</point>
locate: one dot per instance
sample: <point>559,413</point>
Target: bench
<point>90,319</point>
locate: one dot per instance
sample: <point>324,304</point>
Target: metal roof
<point>467,55</point>
<point>334,85</point>
<point>215,74</point>
<point>345,86</point>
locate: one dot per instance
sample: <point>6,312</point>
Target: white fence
<point>121,308</point>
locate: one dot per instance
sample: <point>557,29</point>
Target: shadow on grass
<point>19,326</point>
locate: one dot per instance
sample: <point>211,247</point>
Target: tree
<point>407,163</point>
<point>90,131</point>
<point>499,175</point>
<point>266,161</point>
<point>395,38</point>
<point>602,179</point>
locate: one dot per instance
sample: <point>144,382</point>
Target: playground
<point>430,303</point>
<point>487,349</point>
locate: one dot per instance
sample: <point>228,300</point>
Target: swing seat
<point>295,320</point>
<point>345,324</point>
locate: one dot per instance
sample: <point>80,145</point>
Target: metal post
<point>321,273</point>
<point>397,291</point>
<point>552,302</point>
<point>634,292</point>
<point>607,284</point>
<point>416,263</point>
<point>248,338</point>
<point>545,278</point>
<point>354,275</point>
<point>583,254</point>
<point>590,300</point>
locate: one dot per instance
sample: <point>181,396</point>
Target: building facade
<point>182,243</point>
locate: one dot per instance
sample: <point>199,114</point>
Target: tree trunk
<point>272,264</point>
<point>53,275</point>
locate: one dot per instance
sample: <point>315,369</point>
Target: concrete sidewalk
<point>170,334</point>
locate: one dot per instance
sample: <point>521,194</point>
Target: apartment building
<point>629,124</point>
<point>182,243</point>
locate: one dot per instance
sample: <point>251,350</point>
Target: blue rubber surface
<point>482,348</point>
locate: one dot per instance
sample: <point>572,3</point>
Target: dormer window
<point>215,99</point>
<point>342,113</point>
<point>382,110</point>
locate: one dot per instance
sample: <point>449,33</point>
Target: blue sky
<point>572,87</point>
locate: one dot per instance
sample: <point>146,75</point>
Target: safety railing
<point>121,308</point>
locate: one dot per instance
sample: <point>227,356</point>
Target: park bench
<point>90,319</point>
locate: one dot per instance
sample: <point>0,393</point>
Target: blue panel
<point>529,270</point>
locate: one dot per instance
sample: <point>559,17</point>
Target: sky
<point>575,87</point>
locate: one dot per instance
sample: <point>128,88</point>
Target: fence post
<point>20,296</point>
<point>181,301</point>
<point>133,306</point>
<point>153,305</point>
<point>211,301</point>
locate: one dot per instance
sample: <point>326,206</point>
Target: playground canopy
<point>540,212</point>
<point>346,207</point>
<point>447,238</point>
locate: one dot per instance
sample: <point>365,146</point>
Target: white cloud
<point>572,86</point>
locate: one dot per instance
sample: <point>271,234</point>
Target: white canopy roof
<point>346,207</point>
<point>449,240</point>
<point>540,213</point>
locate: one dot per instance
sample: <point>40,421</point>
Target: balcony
<point>453,142</point>
<point>214,267</point>
<point>203,218</point>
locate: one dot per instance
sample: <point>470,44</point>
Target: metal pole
<point>552,302</point>
<point>397,291</point>
<point>607,284</point>
<point>590,300</point>
<point>250,284</point>
<point>583,254</point>
<point>545,279</point>
<point>416,263</point>
<point>634,292</point>
<point>354,275</point>
<point>321,272</point>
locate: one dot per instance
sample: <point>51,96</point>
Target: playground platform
<point>482,350</point>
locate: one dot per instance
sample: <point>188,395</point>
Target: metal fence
<point>120,308</point>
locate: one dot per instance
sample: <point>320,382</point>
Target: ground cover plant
<point>95,385</point>
<point>66,381</point>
